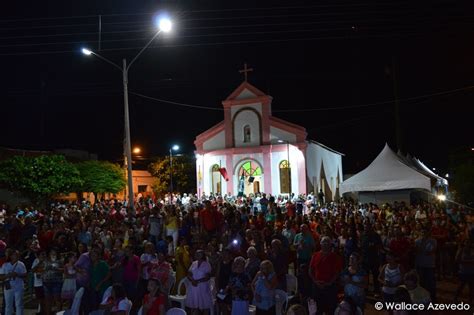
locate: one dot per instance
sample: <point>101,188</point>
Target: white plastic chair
<point>281,298</point>
<point>106,295</point>
<point>178,298</point>
<point>76,304</point>
<point>175,311</point>
<point>252,309</point>
<point>171,282</point>
<point>291,286</point>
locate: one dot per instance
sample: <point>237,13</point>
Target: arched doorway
<point>250,177</point>
<point>285,177</point>
<point>216,179</point>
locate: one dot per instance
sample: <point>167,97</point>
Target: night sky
<point>337,56</point>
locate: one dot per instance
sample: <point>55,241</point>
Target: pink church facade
<point>262,153</point>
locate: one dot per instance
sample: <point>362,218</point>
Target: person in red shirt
<point>440,233</point>
<point>290,209</point>
<point>154,302</point>
<point>131,273</point>
<point>324,270</point>
<point>211,219</point>
<point>400,246</point>
<point>45,237</point>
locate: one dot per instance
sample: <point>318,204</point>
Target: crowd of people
<point>226,253</point>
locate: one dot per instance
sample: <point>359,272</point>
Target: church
<point>251,151</point>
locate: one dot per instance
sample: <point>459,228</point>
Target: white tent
<point>386,172</point>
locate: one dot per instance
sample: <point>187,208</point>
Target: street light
<point>441,197</point>
<point>164,26</point>
<point>173,148</point>
<point>137,150</point>
<point>289,168</point>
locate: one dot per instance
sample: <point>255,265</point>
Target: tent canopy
<point>386,172</point>
<point>422,168</point>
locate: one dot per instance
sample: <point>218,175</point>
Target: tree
<point>184,174</point>
<point>101,177</point>
<point>463,183</point>
<point>39,178</point>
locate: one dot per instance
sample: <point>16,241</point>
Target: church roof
<point>241,88</point>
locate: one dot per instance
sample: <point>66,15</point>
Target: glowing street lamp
<point>137,150</point>
<point>164,25</point>
<point>173,148</point>
<point>86,51</point>
<point>441,197</point>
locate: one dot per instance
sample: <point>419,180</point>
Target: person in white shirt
<point>146,259</point>
<point>13,274</point>
<point>37,268</point>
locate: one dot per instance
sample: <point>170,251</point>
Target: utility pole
<point>398,127</point>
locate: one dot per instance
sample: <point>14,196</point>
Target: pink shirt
<point>131,269</point>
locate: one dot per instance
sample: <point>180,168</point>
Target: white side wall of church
<point>215,143</point>
<point>316,156</point>
<point>279,134</point>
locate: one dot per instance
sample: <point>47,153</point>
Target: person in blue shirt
<point>263,287</point>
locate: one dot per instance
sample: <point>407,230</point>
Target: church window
<point>247,133</point>
<point>216,179</point>
<point>285,177</point>
<point>250,168</point>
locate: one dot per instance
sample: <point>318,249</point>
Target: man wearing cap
<point>324,269</point>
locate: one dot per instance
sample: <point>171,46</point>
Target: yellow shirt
<point>172,223</point>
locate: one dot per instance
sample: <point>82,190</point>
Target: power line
<point>377,103</point>
<point>365,26</point>
<point>287,15</point>
<point>386,4</point>
<point>345,37</point>
<point>323,108</point>
<point>176,103</point>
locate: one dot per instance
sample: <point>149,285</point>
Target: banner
<point>224,174</point>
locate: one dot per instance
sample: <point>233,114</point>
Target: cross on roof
<point>245,71</point>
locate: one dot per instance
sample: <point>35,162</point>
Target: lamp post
<point>164,26</point>
<point>173,148</point>
<point>289,169</point>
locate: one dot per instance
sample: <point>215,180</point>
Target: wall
<point>279,134</point>
<point>295,163</point>
<point>216,142</point>
<point>316,156</point>
<point>236,108</point>
<point>140,178</point>
<point>204,165</point>
<point>381,197</point>
<point>250,118</point>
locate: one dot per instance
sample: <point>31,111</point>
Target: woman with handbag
<point>13,274</point>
